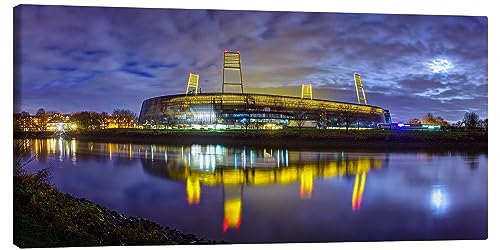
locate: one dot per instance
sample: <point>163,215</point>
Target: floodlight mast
<point>232,62</point>
<point>192,83</point>
<point>359,87</point>
<point>307,91</point>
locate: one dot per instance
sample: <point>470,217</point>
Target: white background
<point>436,7</point>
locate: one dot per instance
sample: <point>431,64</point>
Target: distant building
<point>59,122</point>
<point>23,122</point>
<point>48,122</point>
<point>409,127</point>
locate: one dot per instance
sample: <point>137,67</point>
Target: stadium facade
<point>240,110</point>
<point>250,110</point>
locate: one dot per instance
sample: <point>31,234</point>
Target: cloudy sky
<point>71,59</point>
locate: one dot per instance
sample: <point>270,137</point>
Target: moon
<point>440,65</point>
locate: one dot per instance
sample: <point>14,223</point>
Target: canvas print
<point>137,126</point>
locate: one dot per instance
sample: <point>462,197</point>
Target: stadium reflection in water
<point>214,165</point>
<point>402,188</point>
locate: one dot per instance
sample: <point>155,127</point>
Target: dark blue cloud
<point>95,52</point>
<point>137,72</point>
<point>70,79</point>
<point>162,65</point>
<point>134,68</point>
<point>124,55</point>
<point>61,68</point>
<point>268,33</point>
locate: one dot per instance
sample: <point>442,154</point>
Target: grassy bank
<point>286,138</point>
<point>45,217</point>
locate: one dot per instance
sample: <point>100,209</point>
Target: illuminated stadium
<point>249,110</point>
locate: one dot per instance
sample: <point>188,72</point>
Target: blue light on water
<point>235,160</point>
<point>439,200</point>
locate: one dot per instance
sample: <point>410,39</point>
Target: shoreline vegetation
<point>291,138</point>
<point>45,217</point>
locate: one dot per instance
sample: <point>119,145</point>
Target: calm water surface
<point>248,195</point>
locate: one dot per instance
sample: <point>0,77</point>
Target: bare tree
<point>484,124</point>
<point>471,121</point>
<point>441,121</point>
<point>246,122</point>
<point>300,117</point>
<point>434,120</point>
<point>86,120</point>
<point>322,119</point>
<point>169,116</point>
<point>414,121</point>
<point>333,119</point>
<point>22,151</point>
<point>258,125</point>
<point>42,119</point>
<point>346,116</point>
<point>124,117</point>
<point>458,125</point>
<point>154,119</point>
<point>428,119</point>
<point>103,119</point>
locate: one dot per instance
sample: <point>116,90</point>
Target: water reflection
<point>232,168</point>
<point>235,168</point>
<point>471,160</point>
<point>357,191</point>
<point>439,199</point>
<point>64,149</point>
<point>386,185</point>
<point>232,207</point>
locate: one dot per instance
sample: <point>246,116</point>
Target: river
<point>264,195</point>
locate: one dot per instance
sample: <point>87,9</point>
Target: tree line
<point>84,120</point>
<point>343,117</point>
<point>470,122</point>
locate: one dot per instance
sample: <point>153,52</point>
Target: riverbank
<point>291,138</point>
<point>45,217</point>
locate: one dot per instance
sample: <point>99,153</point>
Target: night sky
<point>70,59</point>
